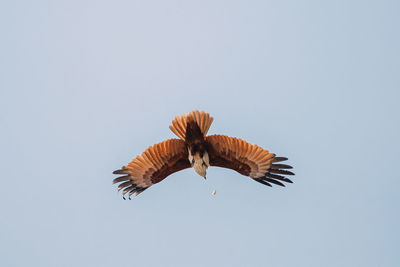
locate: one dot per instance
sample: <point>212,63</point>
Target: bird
<point>194,148</point>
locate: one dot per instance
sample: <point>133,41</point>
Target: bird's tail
<point>202,119</point>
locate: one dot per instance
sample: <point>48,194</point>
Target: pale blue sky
<point>87,85</point>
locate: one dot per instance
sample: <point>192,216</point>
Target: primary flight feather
<point>196,149</point>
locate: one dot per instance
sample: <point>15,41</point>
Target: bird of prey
<point>195,149</point>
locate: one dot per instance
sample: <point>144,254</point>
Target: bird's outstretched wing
<point>155,164</point>
<point>247,159</point>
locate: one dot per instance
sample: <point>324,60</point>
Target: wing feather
<point>121,179</point>
<point>247,159</point>
<point>152,166</point>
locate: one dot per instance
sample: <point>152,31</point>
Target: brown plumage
<point>195,149</point>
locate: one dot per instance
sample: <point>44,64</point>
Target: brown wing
<point>155,164</point>
<point>247,159</point>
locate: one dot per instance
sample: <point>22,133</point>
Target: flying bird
<point>195,149</point>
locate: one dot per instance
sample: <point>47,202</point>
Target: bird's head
<point>200,168</point>
<point>200,162</point>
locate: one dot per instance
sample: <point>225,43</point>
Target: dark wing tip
<point>272,176</point>
<point>124,184</point>
<point>280,166</point>
<point>281,171</point>
<point>128,187</point>
<point>273,181</point>
<point>127,184</point>
<point>121,171</point>
<point>279,159</point>
<point>121,179</point>
<point>262,182</point>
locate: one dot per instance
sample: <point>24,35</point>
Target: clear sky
<point>87,85</point>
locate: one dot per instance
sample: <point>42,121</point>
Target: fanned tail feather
<point>203,120</point>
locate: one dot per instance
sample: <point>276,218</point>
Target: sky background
<point>86,86</point>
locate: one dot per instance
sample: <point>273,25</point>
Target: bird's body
<point>196,149</point>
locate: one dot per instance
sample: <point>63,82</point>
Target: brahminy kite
<point>196,149</point>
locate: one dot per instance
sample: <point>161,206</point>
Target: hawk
<point>195,149</point>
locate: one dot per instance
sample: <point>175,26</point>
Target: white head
<point>200,164</point>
